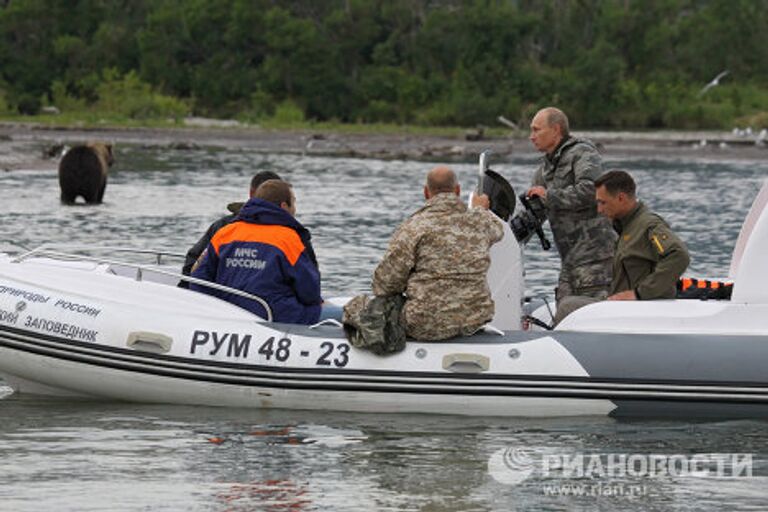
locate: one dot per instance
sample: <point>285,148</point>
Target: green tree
<point>27,60</point>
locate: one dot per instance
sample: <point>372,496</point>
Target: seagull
<point>715,81</point>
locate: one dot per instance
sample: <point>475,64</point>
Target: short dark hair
<point>261,177</point>
<point>616,181</point>
<point>276,192</point>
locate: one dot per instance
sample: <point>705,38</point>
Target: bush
<point>262,106</point>
<point>64,101</point>
<point>288,112</point>
<point>378,111</point>
<point>122,96</point>
<point>692,116</point>
<point>27,104</point>
<point>5,107</point>
<point>720,107</point>
<point>128,96</point>
<point>756,121</point>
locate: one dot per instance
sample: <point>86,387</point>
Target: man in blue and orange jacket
<point>262,253</point>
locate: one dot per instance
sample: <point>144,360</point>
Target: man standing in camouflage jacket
<point>439,259</point>
<point>565,182</point>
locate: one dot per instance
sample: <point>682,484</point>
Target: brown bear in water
<point>83,172</point>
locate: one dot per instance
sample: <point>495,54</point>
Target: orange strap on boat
<point>693,288</point>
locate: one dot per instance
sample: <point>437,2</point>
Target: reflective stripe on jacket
<point>649,258</point>
<point>262,253</point>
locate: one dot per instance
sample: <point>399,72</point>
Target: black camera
<point>502,197</point>
<point>529,221</point>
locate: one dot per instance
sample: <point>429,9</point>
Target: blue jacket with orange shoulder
<point>262,253</point>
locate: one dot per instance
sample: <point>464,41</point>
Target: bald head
<point>441,180</point>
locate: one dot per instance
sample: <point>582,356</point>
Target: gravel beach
<point>31,146</point>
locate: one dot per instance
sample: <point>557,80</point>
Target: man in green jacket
<point>649,257</point>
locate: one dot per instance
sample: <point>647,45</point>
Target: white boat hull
<point>93,331</point>
<point>98,383</point>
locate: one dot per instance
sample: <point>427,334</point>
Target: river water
<point>95,456</point>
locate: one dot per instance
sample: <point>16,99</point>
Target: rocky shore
<point>30,146</point>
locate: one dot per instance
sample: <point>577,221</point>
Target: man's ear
<point>426,192</point>
<point>457,189</point>
<point>558,129</point>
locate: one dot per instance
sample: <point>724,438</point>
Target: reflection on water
<point>93,456</point>
<point>90,456</point>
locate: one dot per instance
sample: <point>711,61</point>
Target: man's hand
<point>537,191</point>
<point>481,201</point>
<point>625,295</point>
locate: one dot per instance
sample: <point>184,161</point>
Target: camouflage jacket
<point>582,236</point>
<point>649,257</point>
<point>439,258</point>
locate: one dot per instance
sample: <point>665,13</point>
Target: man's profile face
<point>545,137</point>
<point>609,205</point>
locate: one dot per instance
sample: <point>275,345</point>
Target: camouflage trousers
<point>570,304</point>
<point>589,280</point>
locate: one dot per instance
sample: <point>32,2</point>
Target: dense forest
<point>608,63</point>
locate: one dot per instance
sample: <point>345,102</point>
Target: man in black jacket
<point>196,250</point>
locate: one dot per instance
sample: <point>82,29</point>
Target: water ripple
<point>90,456</point>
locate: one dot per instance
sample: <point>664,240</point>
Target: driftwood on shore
<point>22,146</point>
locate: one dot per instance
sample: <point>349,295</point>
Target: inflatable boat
<point>92,327</point>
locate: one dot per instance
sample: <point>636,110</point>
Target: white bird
<point>715,82</point>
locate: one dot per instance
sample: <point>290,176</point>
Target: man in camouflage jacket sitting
<point>439,258</point>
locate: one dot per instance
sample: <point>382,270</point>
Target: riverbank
<point>34,146</point>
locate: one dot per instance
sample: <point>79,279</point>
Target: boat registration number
<point>282,350</point>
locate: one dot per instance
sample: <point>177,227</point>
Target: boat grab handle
<point>466,363</point>
<point>327,321</point>
<point>494,330</point>
<point>153,342</point>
